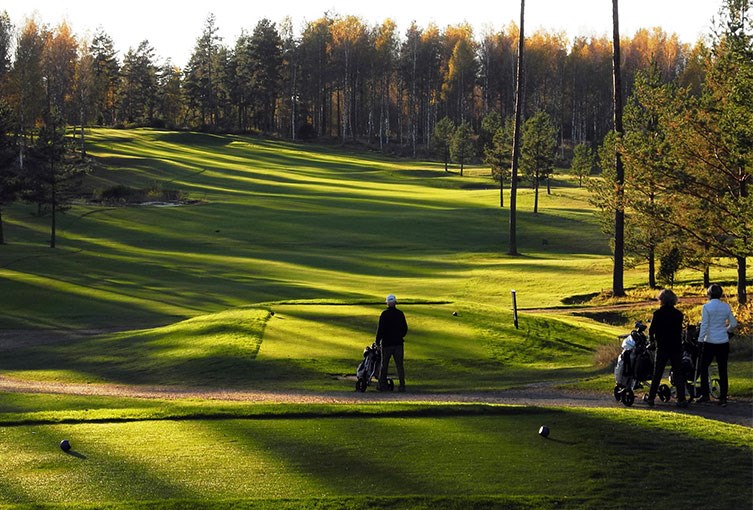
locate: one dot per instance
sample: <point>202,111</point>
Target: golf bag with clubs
<point>369,368</point>
<point>635,365</point>
<point>692,352</point>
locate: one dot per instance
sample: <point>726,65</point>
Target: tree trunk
<point>53,228</point>
<point>706,276</point>
<point>83,141</point>
<point>340,132</point>
<point>516,135</point>
<point>618,288</point>
<point>536,193</point>
<point>501,192</point>
<point>742,297</point>
<point>2,236</point>
<point>652,267</point>
<point>294,102</point>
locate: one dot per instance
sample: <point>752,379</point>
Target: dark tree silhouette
<point>516,134</point>
<point>618,286</point>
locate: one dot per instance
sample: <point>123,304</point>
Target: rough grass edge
<point>342,503</point>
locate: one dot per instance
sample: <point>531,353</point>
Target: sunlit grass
<point>318,235</point>
<point>482,451</point>
<point>281,223</point>
<point>316,346</point>
<point>294,214</point>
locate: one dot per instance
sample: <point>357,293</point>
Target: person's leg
<point>387,351</point>
<point>399,355</point>
<point>707,355</point>
<point>722,356</point>
<point>676,359</point>
<point>661,362</point>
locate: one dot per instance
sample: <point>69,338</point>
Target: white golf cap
<point>391,299</point>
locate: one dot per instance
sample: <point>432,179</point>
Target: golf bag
<point>635,365</point>
<point>692,352</point>
<point>368,369</point>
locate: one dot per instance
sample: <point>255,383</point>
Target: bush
<point>669,265</point>
<point>741,345</point>
<point>156,193</point>
<point>119,194</point>
<point>306,132</point>
<point>605,356</point>
<point>124,195</point>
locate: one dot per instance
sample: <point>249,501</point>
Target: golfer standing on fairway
<point>390,337</point>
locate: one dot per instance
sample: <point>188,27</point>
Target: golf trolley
<point>635,366</point>
<point>369,367</point>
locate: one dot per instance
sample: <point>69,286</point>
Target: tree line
<point>428,91</point>
<point>337,78</point>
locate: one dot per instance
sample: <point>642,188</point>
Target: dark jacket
<point>666,329</point>
<point>392,327</point>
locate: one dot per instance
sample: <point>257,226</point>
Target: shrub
<point>123,195</point>
<point>119,194</point>
<point>669,265</point>
<point>306,132</point>
<point>605,356</point>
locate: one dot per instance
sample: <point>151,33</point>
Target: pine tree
<point>499,157</point>
<point>8,162</point>
<point>714,137</point>
<point>583,162</point>
<point>538,151</point>
<point>442,139</point>
<point>54,173</point>
<point>462,148</point>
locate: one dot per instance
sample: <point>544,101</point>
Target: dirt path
<point>738,412</point>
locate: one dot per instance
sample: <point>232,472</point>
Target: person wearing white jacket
<point>717,322</point>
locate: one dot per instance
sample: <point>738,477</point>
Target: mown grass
<point>484,451</point>
<point>284,222</point>
<point>183,296</point>
<point>314,347</point>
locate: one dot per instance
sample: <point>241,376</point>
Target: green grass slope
<point>183,296</point>
<point>280,221</point>
<point>314,347</point>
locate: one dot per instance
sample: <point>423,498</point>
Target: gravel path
<point>738,412</point>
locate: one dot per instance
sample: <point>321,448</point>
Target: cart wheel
<point>361,385</point>
<point>628,397</point>
<point>390,385</point>
<point>716,388</point>
<point>618,392</point>
<point>664,393</point>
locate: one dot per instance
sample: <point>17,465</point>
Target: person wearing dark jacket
<point>390,337</point>
<point>666,332</point>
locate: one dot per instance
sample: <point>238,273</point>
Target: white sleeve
<point>704,324</point>
<point>731,320</point>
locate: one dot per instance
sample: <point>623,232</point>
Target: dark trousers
<point>721,353</point>
<point>396,351</point>
<point>675,358</point>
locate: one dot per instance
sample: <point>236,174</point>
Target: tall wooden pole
<point>516,135</point>
<point>618,286</point>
